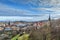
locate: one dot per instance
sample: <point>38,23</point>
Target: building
<point>1,28</point>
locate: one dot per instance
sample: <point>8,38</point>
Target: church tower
<point>9,23</point>
<point>48,37</point>
<point>49,20</point>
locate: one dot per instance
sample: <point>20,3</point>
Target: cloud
<point>54,12</point>
<point>13,18</point>
<point>53,3</point>
<point>10,14</point>
<point>5,9</point>
<point>48,9</point>
<point>26,18</point>
<point>20,18</point>
<point>33,14</point>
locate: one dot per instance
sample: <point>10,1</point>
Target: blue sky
<point>29,10</point>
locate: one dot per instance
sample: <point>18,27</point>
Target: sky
<point>29,10</point>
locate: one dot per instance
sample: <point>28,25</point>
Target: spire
<point>9,23</point>
<point>49,18</point>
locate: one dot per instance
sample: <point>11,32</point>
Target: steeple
<point>49,18</point>
<point>9,23</point>
<point>49,29</point>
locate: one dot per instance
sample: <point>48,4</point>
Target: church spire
<point>49,18</point>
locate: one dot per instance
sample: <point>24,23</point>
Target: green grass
<point>24,37</point>
<point>16,37</point>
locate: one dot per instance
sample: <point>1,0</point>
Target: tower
<point>48,37</point>
<point>49,20</point>
<point>9,23</point>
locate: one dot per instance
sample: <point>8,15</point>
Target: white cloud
<point>47,9</point>
<point>54,3</point>
<point>17,18</point>
<point>54,14</point>
<point>13,11</point>
<point>6,9</point>
<point>9,10</point>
